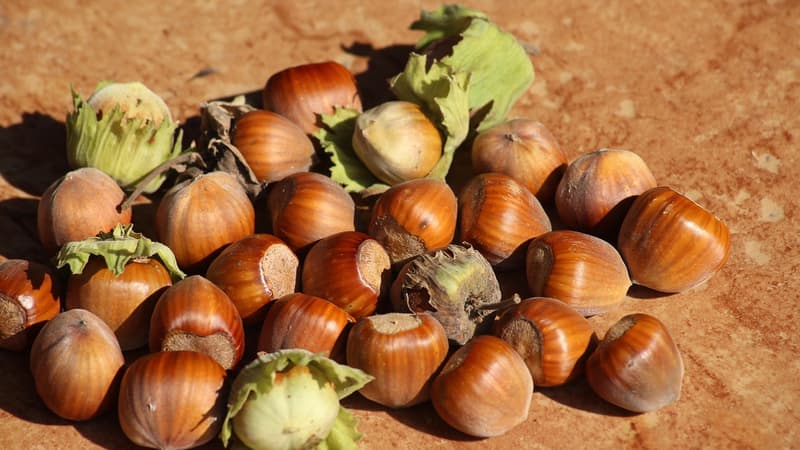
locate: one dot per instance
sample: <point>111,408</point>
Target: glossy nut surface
<point>299,320</point>
<point>498,216</point>
<point>79,205</point>
<point>307,206</point>
<point>414,217</point>
<point>402,351</point>
<point>30,295</point>
<point>172,400</point>
<point>637,365</point>
<point>671,243</point>
<point>552,337</point>
<point>525,150</point>
<point>198,218</point>
<point>273,146</point>
<point>135,292</point>
<point>579,269</point>
<point>194,314</point>
<point>75,361</point>
<point>350,269</point>
<point>304,92</point>
<point>484,388</point>
<point>597,189</point>
<point>254,271</point>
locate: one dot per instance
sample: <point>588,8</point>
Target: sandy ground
<point>706,92</point>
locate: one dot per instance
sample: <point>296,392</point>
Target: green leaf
<point>443,95</point>
<point>446,21</point>
<point>258,378</point>
<point>343,434</point>
<point>500,69</point>
<point>118,247</point>
<point>336,138</point>
<point>480,80</point>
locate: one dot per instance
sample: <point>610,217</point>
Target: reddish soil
<point>706,92</point>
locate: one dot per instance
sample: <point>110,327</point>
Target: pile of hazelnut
<point>401,283</point>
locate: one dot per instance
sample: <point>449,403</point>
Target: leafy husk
<point>499,67</point>
<point>444,96</point>
<point>466,74</point>
<point>125,148</point>
<point>457,285</point>
<point>258,378</point>
<point>446,21</point>
<point>117,248</point>
<point>336,139</point>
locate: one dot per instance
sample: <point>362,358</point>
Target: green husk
<point>336,138</point>
<point>471,88</point>
<point>499,67</point>
<point>456,285</point>
<point>126,148</point>
<point>448,20</point>
<point>258,377</point>
<point>341,436</point>
<point>118,247</point>
<point>444,96</point>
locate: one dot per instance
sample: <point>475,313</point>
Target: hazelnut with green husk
<point>456,285</point>
<point>123,129</point>
<point>464,76</point>
<point>289,399</point>
<point>124,266</point>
